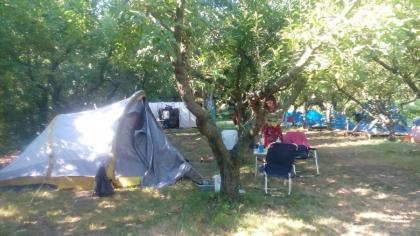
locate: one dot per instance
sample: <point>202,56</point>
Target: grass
<point>366,187</point>
<point>225,124</point>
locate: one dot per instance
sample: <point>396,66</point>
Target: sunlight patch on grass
<point>330,180</point>
<point>247,169</point>
<point>271,224</point>
<point>95,227</point>
<point>47,195</point>
<point>380,216</point>
<point>366,229</point>
<point>8,211</point>
<point>54,213</point>
<point>362,191</point>
<point>70,219</point>
<point>352,143</point>
<point>381,196</point>
<point>347,228</point>
<point>106,204</point>
<point>328,221</point>
<point>154,193</point>
<point>340,191</point>
<point>128,218</point>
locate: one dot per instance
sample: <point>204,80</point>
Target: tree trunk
<point>390,125</point>
<point>228,164</point>
<point>305,112</point>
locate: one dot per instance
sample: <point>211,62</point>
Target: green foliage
<point>65,56</point>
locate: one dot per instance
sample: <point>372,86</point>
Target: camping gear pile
<point>186,118</point>
<point>169,117</point>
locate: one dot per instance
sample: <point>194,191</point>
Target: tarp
<point>186,118</point>
<point>124,136</point>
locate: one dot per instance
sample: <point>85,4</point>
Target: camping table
<point>259,159</point>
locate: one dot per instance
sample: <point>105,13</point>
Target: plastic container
<point>260,148</point>
<point>205,185</point>
<point>230,138</point>
<point>217,183</point>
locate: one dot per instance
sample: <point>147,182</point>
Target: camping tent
<point>294,117</point>
<point>339,121</point>
<point>315,119</point>
<point>186,118</point>
<point>375,127</point>
<point>124,136</point>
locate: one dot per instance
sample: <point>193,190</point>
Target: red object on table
<point>271,133</point>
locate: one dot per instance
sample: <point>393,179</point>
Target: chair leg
<point>256,166</point>
<point>294,169</point>
<point>265,184</point>
<point>316,162</point>
<point>290,183</point>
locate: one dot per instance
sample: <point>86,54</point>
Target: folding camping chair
<point>279,163</point>
<point>305,151</point>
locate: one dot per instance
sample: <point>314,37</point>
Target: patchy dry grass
<point>366,187</point>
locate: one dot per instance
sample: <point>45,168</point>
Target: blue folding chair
<point>280,163</point>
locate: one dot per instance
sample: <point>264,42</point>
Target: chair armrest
<point>311,148</point>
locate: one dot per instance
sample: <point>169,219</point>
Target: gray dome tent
<point>124,136</point>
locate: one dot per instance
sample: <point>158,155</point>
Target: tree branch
<point>396,71</point>
<point>287,78</point>
<point>351,97</point>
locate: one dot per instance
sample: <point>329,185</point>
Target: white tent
<point>186,118</point>
<point>123,136</point>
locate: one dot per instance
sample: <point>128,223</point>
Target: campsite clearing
<point>366,187</point>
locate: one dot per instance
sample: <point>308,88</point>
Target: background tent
<point>186,118</point>
<point>339,121</point>
<point>123,136</point>
<point>314,118</point>
<point>416,122</point>
<point>294,118</point>
<point>374,127</point>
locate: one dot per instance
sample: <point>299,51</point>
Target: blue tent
<point>295,117</point>
<point>314,118</point>
<point>416,122</point>
<point>339,122</point>
<point>374,127</point>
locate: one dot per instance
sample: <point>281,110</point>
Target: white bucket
<point>217,183</point>
<point>230,138</point>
